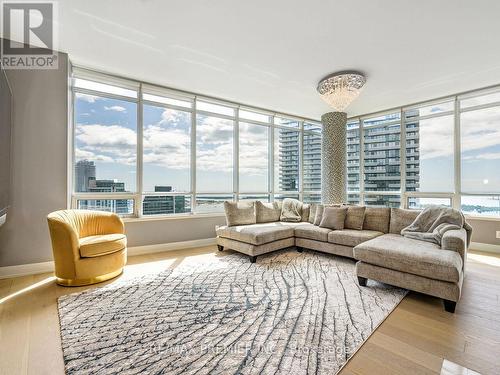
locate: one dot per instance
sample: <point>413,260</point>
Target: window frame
<point>142,88</point>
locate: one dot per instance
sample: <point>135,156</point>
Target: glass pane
<point>286,122</point>
<point>312,198</point>
<point>214,154</point>
<point>118,206</point>
<point>254,197</point>
<point>381,155</point>
<point>280,197</point>
<point>481,205</point>
<point>248,115</point>
<point>421,203</point>
<point>353,153</point>
<point>165,100</point>
<point>166,204</point>
<point>167,149</point>
<point>383,200</point>
<point>211,203</point>
<point>430,155</point>
<point>110,89</point>
<point>432,109</point>
<point>312,162</point>
<point>310,126</point>
<point>353,198</point>
<point>480,100</point>
<point>254,158</point>
<point>480,146</point>
<point>215,108</point>
<point>286,160</point>
<point>105,144</point>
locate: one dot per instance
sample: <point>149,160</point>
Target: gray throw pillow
<point>319,214</point>
<point>239,213</point>
<point>355,217</point>
<point>306,208</point>
<point>333,218</point>
<point>267,212</point>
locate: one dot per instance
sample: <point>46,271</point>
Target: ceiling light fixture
<point>341,88</point>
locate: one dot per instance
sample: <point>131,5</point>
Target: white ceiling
<point>271,53</point>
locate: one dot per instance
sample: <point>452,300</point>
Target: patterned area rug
<point>290,313</point>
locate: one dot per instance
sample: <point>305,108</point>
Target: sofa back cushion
<point>291,210</point>
<point>355,217</point>
<point>318,214</point>
<point>267,212</point>
<point>377,218</point>
<point>239,213</point>
<point>306,208</point>
<point>312,212</point>
<point>333,218</point>
<point>401,218</point>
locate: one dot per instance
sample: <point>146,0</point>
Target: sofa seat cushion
<point>411,256</point>
<point>256,234</point>
<point>352,237</point>
<point>94,246</point>
<point>312,232</point>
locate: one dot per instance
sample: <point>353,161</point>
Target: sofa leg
<point>300,249</point>
<point>362,281</point>
<point>220,247</point>
<point>449,305</point>
<point>252,258</point>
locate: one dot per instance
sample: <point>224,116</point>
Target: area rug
<point>289,313</point>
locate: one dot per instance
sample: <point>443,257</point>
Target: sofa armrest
<point>456,240</point>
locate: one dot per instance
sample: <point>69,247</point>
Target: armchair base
<point>93,280</point>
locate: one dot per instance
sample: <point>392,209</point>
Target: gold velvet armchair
<point>88,246</point>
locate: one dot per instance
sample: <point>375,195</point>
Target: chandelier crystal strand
<point>340,89</point>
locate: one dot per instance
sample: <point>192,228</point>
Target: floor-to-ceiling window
<point>144,150</point>
<point>444,152</point>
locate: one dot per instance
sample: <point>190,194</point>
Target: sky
<point>106,133</point>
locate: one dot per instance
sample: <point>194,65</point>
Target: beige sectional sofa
<point>382,253</point>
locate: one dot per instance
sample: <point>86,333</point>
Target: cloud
<point>88,155</point>
<point>489,156</point>
<point>87,98</point>
<point>116,108</point>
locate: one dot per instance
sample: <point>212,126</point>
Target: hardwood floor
<point>419,337</point>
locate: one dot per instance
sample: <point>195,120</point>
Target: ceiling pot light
<point>341,88</point>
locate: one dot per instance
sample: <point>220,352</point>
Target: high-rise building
<point>85,180</point>
<point>84,172</point>
<point>164,204</point>
<point>288,160</point>
<point>381,159</point>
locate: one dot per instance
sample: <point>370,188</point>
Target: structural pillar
<point>333,158</point>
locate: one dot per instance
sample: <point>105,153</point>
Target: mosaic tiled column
<point>333,158</point>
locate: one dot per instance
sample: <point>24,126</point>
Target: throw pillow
<point>239,213</point>
<point>355,217</point>
<point>401,218</point>
<point>333,218</point>
<point>319,214</point>
<point>267,212</point>
<point>306,208</point>
<point>291,210</point>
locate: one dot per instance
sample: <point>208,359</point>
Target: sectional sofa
<point>381,252</point>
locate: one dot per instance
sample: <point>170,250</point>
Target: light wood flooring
<point>419,337</point>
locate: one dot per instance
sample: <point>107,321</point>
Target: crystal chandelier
<point>340,89</point>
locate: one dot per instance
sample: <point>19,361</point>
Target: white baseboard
<point>43,267</point>
<point>486,247</point>
<point>158,248</point>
